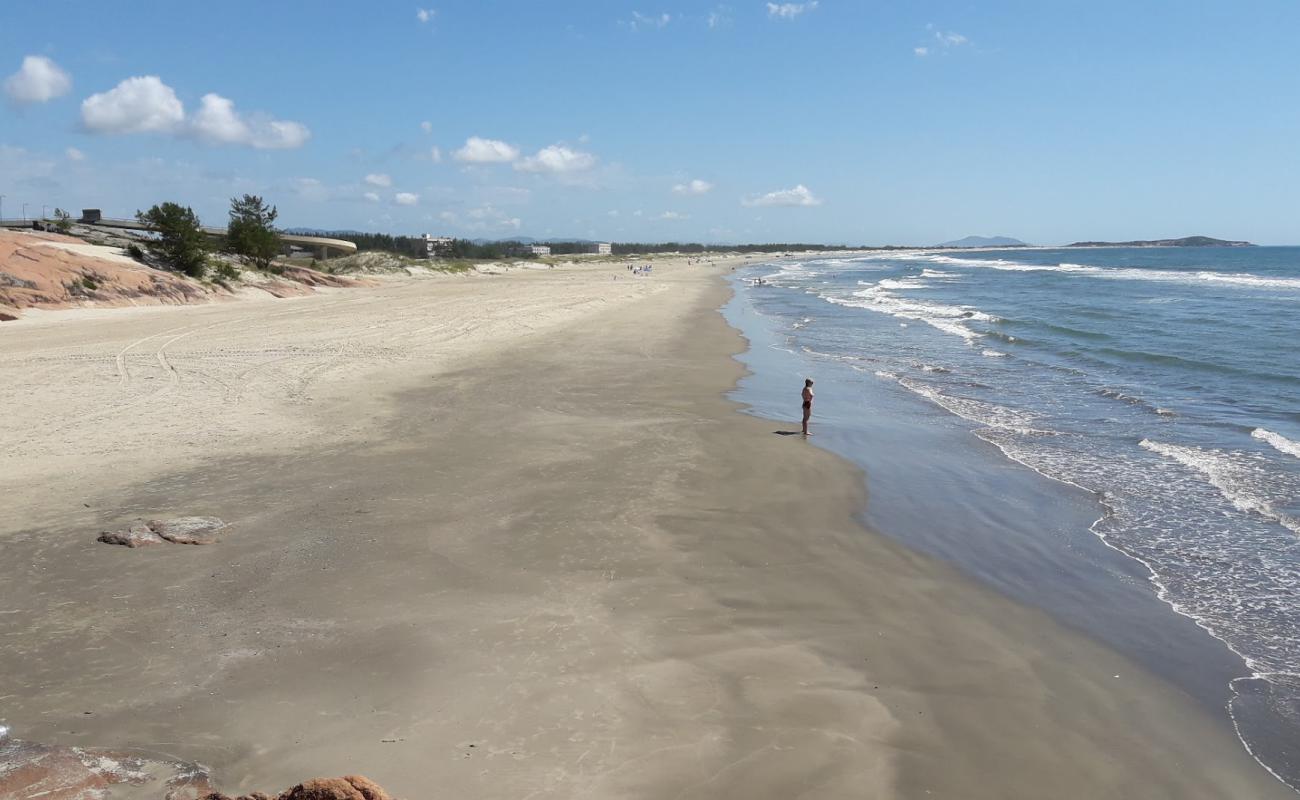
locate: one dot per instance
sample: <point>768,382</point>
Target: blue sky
<point>836,121</point>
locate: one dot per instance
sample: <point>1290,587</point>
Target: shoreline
<point>628,588</point>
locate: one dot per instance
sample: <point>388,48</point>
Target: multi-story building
<point>435,246</point>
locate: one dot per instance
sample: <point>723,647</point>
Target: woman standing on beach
<point>807,403</point>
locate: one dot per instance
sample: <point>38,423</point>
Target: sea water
<point>1157,388</point>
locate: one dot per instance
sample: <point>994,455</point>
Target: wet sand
<point>521,555</point>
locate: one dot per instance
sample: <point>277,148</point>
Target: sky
<point>862,122</point>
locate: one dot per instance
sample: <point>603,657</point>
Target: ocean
<point>1111,434</point>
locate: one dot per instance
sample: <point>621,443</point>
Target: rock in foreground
<point>349,787</point>
<point>55,772</point>
<point>181,530</point>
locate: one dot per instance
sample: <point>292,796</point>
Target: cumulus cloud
<point>486,151</point>
<point>435,155</point>
<point>379,179</point>
<point>217,122</point>
<point>640,21</point>
<point>557,159</point>
<point>406,198</point>
<point>718,18</point>
<point>696,186</point>
<point>426,126</point>
<point>371,196</point>
<point>798,196</point>
<point>921,51</point>
<point>142,104</point>
<point>425,14</point>
<point>38,80</point>
<point>74,154</point>
<point>789,10</point>
<point>673,215</point>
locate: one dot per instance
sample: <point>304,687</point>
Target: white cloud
<point>556,159</point>
<point>38,80</point>
<point>136,105</point>
<point>435,155</point>
<point>74,154</point>
<point>406,198</point>
<point>486,151</point>
<point>719,18</point>
<point>673,215</point>
<point>425,14</point>
<point>789,10</point>
<point>426,126</point>
<point>145,104</point>
<point>613,213</point>
<point>696,186</point>
<point>379,179</point>
<point>218,122</point>
<point>798,196</point>
<point>371,196</point>
<point>921,51</point>
<point>640,21</point>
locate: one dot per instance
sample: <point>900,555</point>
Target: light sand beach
<point>506,537</point>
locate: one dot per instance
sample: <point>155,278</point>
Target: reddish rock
<point>55,772</point>
<point>349,787</point>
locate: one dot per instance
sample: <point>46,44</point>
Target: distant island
<point>1186,241</point>
<point>984,241</point>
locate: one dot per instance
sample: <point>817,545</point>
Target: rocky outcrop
<point>349,787</point>
<point>46,270</point>
<point>181,530</point>
<point>56,772</point>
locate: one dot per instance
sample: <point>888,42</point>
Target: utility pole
<point>24,212</point>
<point>43,207</point>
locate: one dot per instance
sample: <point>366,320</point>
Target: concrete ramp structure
<point>321,246</point>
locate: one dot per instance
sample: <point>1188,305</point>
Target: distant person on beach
<point>807,403</point>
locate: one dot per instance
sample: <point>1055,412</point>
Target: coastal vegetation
<point>251,233</point>
<point>179,242</point>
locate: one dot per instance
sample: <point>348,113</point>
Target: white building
<point>435,246</point>
<point>602,248</point>
<point>540,249</point>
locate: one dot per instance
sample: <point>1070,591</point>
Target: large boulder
<point>349,787</point>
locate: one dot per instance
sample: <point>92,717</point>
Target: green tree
<point>62,220</point>
<point>251,234</point>
<point>180,242</point>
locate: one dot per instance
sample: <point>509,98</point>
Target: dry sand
<point>504,537</point>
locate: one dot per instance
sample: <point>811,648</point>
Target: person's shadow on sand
<point>787,433</point>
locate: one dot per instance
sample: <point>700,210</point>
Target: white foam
<point>990,414</point>
<point>946,318</point>
<point>938,273</point>
<point>993,354</point>
<point>902,283</point>
<point>1240,279</point>
<point>1236,481</point>
<point>1278,441</point>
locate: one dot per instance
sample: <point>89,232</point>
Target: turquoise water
<point>1163,384</point>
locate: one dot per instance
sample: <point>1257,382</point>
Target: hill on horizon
<point>984,241</point>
